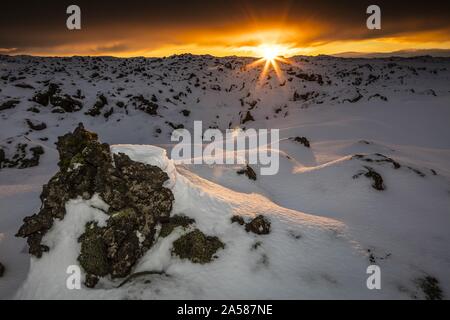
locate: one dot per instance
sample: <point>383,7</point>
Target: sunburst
<point>271,55</point>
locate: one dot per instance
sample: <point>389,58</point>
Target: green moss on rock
<point>197,247</point>
<point>173,222</point>
<point>94,254</point>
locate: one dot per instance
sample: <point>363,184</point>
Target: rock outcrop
<point>134,191</point>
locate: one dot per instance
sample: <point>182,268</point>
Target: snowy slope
<point>324,220</point>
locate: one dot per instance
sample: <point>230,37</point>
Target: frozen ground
<point>327,225</point>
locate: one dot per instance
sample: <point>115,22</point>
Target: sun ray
<point>272,57</point>
<point>265,70</point>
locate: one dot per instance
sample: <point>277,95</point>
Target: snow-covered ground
<point>327,224</point>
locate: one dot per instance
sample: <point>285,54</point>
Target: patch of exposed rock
<point>10,104</point>
<point>36,126</point>
<point>197,247</point>
<point>167,226</point>
<point>98,106</point>
<point>21,159</point>
<point>258,225</point>
<point>303,140</point>
<point>248,171</point>
<point>377,180</point>
<point>60,102</point>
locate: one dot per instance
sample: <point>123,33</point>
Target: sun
<point>270,52</point>
<point>270,55</point>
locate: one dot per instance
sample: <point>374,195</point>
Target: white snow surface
<point>323,221</point>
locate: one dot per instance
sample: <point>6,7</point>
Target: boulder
<point>197,247</point>
<point>134,191</point>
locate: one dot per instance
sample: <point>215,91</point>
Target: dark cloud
<point>41,24</point>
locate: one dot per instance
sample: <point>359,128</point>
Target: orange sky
<point>162,28</point>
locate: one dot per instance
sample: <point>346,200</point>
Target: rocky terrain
<point>364,178</point>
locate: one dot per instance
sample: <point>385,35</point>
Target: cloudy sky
<point>160,28</point>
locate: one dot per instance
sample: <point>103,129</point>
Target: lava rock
<point>375,176</point>
<point>259,225</point>
<point>248,171</point>
<point>185,112</point>
<point>197,247</point>
<point>98,106</point>
<point>36,126</point>
<point>9,104</point>
<point>66,102</point>
<point>19,159</point>
<point>134,192</point>
<point>91,281</point>
<point>145,105</point>
<point>303,140</point>
<point>238,219</point>
<point>248,117</point>
<point>173,222</point>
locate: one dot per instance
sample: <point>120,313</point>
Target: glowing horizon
<point>238,29</point>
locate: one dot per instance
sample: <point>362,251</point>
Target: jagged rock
<point>303,140</point>
<point>9,104</point>
<point>145,105</point>
<point>310,77</point>
<point>2,157</point>
<point>24,86</point>
<point>98,106</point>
<point>94,251</point>
<point>120,104</point>
<point>59,102</point>
<point>375,176</point>
<point>134,192</point>
<point>185,112</point>
<point>43,98</point>
<point>108,113</point>
<point>238,219</point>
<point>90,281</point>
<point>259,225</point>
<point>2,270</point>
<point>176,221</point>
<point>377,158</point>
<point>66,102</point>
<point>19,159</point>
<point>34,109</point>
<point>36,126</point>
<point>305,96</point>
<point>175,126</point>
<point>249,172</point>
<point>248,117</point>
<point>197,247</point>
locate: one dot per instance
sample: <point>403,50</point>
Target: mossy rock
<point>71,145</point>
<point>127,213</point>
<point>173,222</point>
<point>94,252</point>
<point>259,225</point>
<point>197,247</point>
<point>77,159</point>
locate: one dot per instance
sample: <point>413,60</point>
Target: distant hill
<point>400,53</point>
